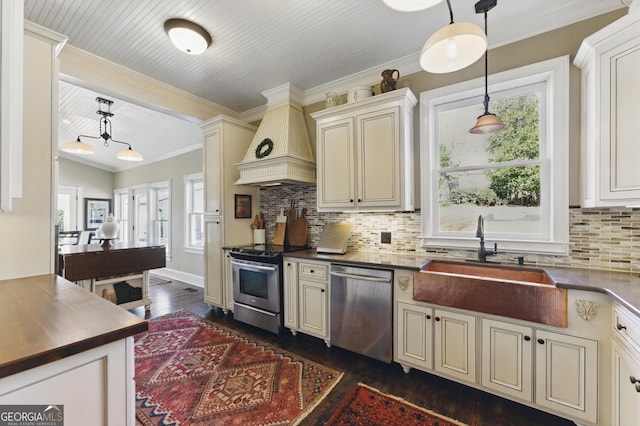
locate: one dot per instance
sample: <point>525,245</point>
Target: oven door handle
<point>254,265</point>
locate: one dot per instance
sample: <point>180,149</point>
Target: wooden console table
<point>97,268</point>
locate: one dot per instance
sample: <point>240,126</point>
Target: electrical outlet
<point>385,237</point>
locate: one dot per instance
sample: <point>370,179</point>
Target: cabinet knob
<point>633,380</point>
<point>437,318</point>
<point>621,327</point>
<point>541,341</point>
<point>359,200</point>
<point>351,200</point>
<point>322,290</point>
<point>429,317</point>
<point>527,338</point>
<point>311,271</point>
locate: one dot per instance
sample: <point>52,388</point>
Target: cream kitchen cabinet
<point>313,293</point>
<point>626,367</point>
<point>566,374</point>
<point>226,141</point>
<point>507,358</point>
<point>626,387</point>
<point>214,283</point>
<point>306,297</point>
<point>455,344</point>
<point>290,286</point>
<point>610,63</point>
<point>414,336</point>
<point>564,371</point>
<point>365,154</point>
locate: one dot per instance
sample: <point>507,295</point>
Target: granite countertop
<point>623,287</point>
<point>46,318</point>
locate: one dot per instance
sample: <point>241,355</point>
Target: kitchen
<point>404,226</point>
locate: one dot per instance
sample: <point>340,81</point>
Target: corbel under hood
<point>281,142</point>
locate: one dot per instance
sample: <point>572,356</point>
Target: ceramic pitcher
<point>388,82</point>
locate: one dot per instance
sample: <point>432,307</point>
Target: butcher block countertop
<point>622,287</point>
<point>46,318</point>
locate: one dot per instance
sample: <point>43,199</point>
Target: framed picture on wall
<point>96,211</point>
<point>242,206</point>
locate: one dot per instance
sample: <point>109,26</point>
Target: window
<point>194,208</point>
<point>151,214</point>
<point>517,178</point>
<point>140,214</point>
<point>67,217</point>
<point>161,213</point>
<point>121,213</point>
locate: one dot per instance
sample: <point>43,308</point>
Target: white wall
<point>27,233</point>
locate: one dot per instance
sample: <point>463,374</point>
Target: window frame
<point>123,217</point>
<point>189,181</point>
<point>154,188</point>
<point>554,73</point>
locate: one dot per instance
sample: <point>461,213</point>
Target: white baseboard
<point>174,274</point>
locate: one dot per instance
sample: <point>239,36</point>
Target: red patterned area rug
<point>190,371</point>
<point>366,406</point>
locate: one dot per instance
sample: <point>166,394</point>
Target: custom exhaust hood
<point>280,152</point>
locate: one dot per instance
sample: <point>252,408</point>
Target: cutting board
<point>281,228</point>
<point>297,230</point>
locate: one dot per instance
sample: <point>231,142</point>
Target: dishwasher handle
<point>361,277</point>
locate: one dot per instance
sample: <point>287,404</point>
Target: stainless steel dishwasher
<point>361,310</point>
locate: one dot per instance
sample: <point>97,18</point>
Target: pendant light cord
<point>486,69</point>
<point>450,12</point>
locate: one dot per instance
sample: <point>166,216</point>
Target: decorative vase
<point>110,227</point>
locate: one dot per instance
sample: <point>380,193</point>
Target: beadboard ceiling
<point>259,45</point>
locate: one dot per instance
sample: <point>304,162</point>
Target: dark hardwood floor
<point>460,402</point>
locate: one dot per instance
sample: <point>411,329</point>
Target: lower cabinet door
<point>507,358</point>
<point>455,345</point>
<point>414,336</point>
<point>290,288</point>
<point>313,308</point>
<point>567,374</point>
<point>626,393</point>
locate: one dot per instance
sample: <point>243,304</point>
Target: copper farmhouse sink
<point>524,293</point>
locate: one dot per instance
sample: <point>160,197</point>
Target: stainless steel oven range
<point>257,285</point>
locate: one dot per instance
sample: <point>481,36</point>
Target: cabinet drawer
<point>626,326</point>
<point>314,270</point>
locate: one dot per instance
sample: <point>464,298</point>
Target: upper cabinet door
<point>336,178</point>
<point>213,171</point>
<point>610,63</point>
<point>378,156</point>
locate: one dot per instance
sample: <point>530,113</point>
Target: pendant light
<point>453,47</point>
<point>410,5</point>
<point>187,36</point>
<point>82,148</point>
<point>487,122</point>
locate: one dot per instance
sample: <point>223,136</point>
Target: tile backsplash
<point>601,238</point>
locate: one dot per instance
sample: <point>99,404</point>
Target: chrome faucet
<point>482,252</point>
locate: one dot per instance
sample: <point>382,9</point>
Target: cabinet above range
<point>365,154</point>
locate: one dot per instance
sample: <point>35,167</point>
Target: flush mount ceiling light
<point>410,5</point>
<point>187,36</point>
<point>453,47</point>
<point>487,122</point>
<point>82,148</point>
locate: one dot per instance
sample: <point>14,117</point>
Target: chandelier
<point>82,148</point>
